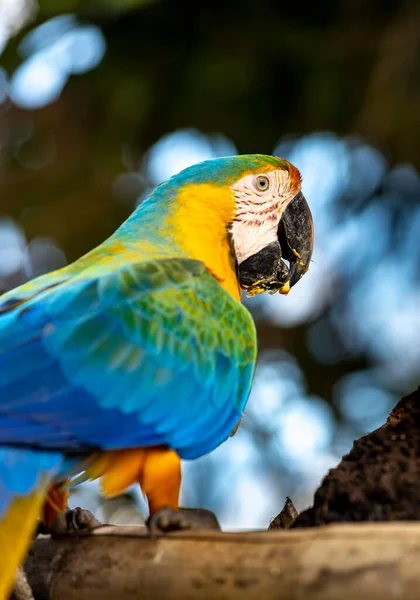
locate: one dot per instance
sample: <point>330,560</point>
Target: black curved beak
<point>296,237</point>
<point>280,265</point>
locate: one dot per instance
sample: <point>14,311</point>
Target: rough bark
<point>286,517</point>
<point>372,561</point>
<point>379,479</point>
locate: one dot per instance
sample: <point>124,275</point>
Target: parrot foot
<point>170,519</point>
<point>75,521</point>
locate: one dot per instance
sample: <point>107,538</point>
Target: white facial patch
<point>258,211</point>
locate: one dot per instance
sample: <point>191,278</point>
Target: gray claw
<point>170,519</point>
<point>73,521</point>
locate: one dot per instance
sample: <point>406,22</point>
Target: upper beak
<point>278,266</point>
<point>296,238</point>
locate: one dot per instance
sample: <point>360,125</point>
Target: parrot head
<point>244,217</point>
<point>272,232</point>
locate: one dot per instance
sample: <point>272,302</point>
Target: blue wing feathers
<point>107,363</point>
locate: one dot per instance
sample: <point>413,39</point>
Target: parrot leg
<point>158,471</point>
<point>160,480</point>
<point>55,503</point>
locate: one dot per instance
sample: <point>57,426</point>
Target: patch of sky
<point>12,247</point>
<point>306,427</point>
<point>14,14</point>
<point>53,51</point>
<point>180,149</point>
<point>362,402</point>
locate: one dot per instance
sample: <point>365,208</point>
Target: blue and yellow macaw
<point>140,353</point>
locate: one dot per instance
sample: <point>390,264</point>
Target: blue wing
<point>155,353</point>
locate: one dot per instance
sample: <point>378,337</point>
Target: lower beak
<point>280,265</point>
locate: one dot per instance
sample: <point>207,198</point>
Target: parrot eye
<point>261,183</point>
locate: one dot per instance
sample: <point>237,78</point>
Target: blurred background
<point>100,100</point>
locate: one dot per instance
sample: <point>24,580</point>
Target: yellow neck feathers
<point>202,215</point>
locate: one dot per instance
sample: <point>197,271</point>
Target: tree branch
<point>338,561</point>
